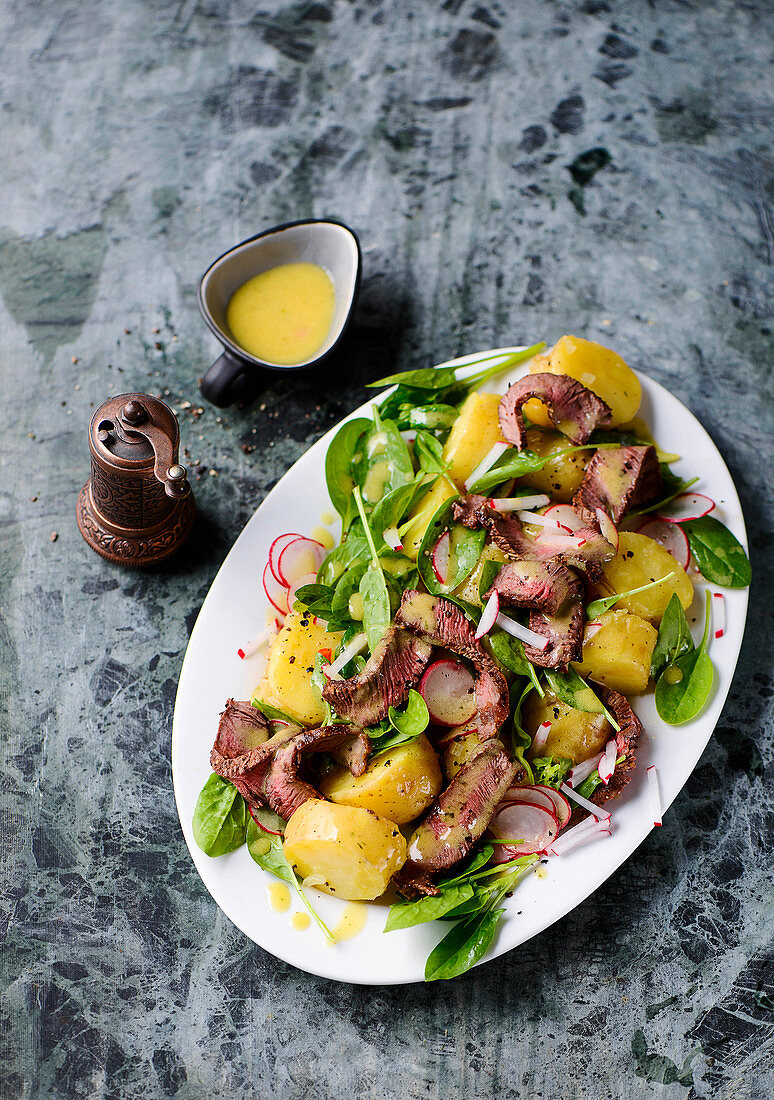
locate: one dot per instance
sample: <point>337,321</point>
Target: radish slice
<point>489,615</point>
<point>540,520</point>
<point>308,578</point>
<point>566,516</point>
<point>583,770</point>
<point>439,558</point>
<point>655,794</point>
<point>607,528</point>
<point>600,814</point>
<point>669,535</point>
<point>357,645</point>
<point>606,765</point>
<point>523,633</point>
<point>588,830</point>
<point>534,795</point>
<point>514,504</point>
<point>534,826</point>
<point>719,613</point>
<point>562,807</point>
<point>276,549</point>
<point>560,543</point>
<point>276,593</point>
<point>299,557</point>
<point>687,506</point>
<point>541,735</point>
<point>258,641</point>
<point>392,538</point>
<point>450,692</point>
<point>256,812</point>
<point>486,463</point>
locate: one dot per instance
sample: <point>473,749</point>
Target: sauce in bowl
<point>283,315</point>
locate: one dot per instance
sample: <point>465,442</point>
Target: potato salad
<point>446,694</point>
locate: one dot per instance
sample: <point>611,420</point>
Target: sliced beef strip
<point>243,749</point>
<point>442,623</point>
<point>564,629</point>
<point>395,665</point>
<point>555,595</point>
<point>458,818</point>
<point>285,787</point>
<point>626,742</point>
<point>573,408</point>
<point>617,480</point>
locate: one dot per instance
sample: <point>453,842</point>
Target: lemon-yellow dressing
<point>279,897</point>
<point>351,922</point>
<point>300,921</point>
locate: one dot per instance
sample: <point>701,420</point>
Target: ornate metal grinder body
<point>137,507</point>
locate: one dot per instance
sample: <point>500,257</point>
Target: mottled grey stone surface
<point>139,140</point>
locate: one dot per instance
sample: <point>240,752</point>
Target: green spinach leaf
<point>267,851</point>
<point>272,713</point>
<point>220,817</point>
<point>465,548</point>
<point>373,588</point>
<point>572,690</point>
<point>413,719</point>
<point>406,914</point>
<point>382,463</point>
<point>599,607</point>
<point>432,418</point>
<point>684,686</point>
<point>719,554</point>
<point>338,463</point>
<point>489,571</point>
<point>674,637</point>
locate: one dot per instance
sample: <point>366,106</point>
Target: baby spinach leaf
<point>462,946</point>
<point>719,554</point>
<point>413,719</point>
<point>599,607</point>
<point>479,859</point>
<point>513,463</point>
<point>572,690</point>
<point>376,606</point>
<point>680,700</point>
<point>489,571</point>
<point>406,914</point>
<point>272,713</point>
<point>338,462</point>
<point>674,637</point>
<point>429,453</point>
<point>220,817</point>
<point>433,418</point>
<point>316,598</point>
<point>272,859</point>
<point>342,556</point>
<point>464,551</point>
<point>393,506</point>
<point>383,462</point>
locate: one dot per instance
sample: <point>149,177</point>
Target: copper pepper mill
<point>137,507</point>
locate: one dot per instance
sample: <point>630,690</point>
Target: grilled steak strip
<point>457,819</point>
<point>285,788</point>
<point>243,749</point>
<point>555,594</point>
<point>573,408</point>
<point>617,480</point>
<point>441,623</point>
<point>394,666</point>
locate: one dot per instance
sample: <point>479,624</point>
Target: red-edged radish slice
<point>560,543</point>
<point>276,549</point>
<point>606,765</point>
<point>566,516</point>
<point>392,538</point>
<point>276,593</point>
<point>655,794</point>
<point>308,578</point>
<point>258,641</point>
<point>583,770</point>
<point>719,613</point>
<point>534,795</point>
<point>669,535</point>
<point>455,733</point>
<point>523,633</point>
<point>357,645</point>
<point>588,830</point>
<point>541,735</point>
<point>439,557</point>
<point>299,557</point>
<point>256,813</point>
<point>607,528</point>
<point>562,807</point>
<point>687,506</point>
<point>449,691</point>
<point>486,463</point>
<point>488,616</point>
<point>597,811</point>
<point>534,826</point>
<point>516,504</point>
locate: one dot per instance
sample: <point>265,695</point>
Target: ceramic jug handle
<point>229,379</point>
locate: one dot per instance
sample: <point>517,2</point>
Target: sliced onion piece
<point>259,641</point>
<point>488,616</point>
<point>560,543</point>
<point>534,795</point>
<point>276,549</point>
<point>392,538</point>
<point>523,633</point>
<point>534,826</point>
<point>607,761</point>
<point>607,528</point>
<point>515,504</point>
<point>357,645</point>
<point>540,520</point>
<point>276,593</point>
<point>669,535</point>
<point>299,557</point>
<point>588,830</point>
<point>562,807</point>
<point>655,794</point>
<point>597,811</point>
<point>687,506</point>
<point>439,558</point>
<point>583,770</point>
<point>449,690</point>
<point>719,613</point>
<point>486,463</point>
<point>566,516</point>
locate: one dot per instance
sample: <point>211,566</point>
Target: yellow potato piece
<point>617,652</point>
<point>574,734</point>
<point>423,513</point>
<point>597,368</point>
<point>473,434</point>
<point>639,561</point>
<point>287,682</point>
<point>560,477</point>
<point>347,851</point>
<point>397,784</point>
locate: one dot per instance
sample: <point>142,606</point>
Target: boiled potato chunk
<point>560,477</point>
<point>422,513</point>
<point>574,734</point>
<point>639,561</point>
<point>617,652</point>
<point>287,682</point>
<point>347,851</point>
<point>597,368</point>
<point>473,434</point>
<point>397,784</point>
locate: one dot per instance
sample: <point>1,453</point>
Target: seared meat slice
<point>575,410</point>
<point>286,789</point>
<point>587,550</point>
<point>441,623</point>
<point>556,595</point>
<point>617,480</point>
<point>394,666</point>
<point>626,742</point>
<point>458,818</point>
<point>243,749</point>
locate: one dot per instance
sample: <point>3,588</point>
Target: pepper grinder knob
<point>134,413</point>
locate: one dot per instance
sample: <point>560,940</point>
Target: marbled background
<point>514,170</point>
